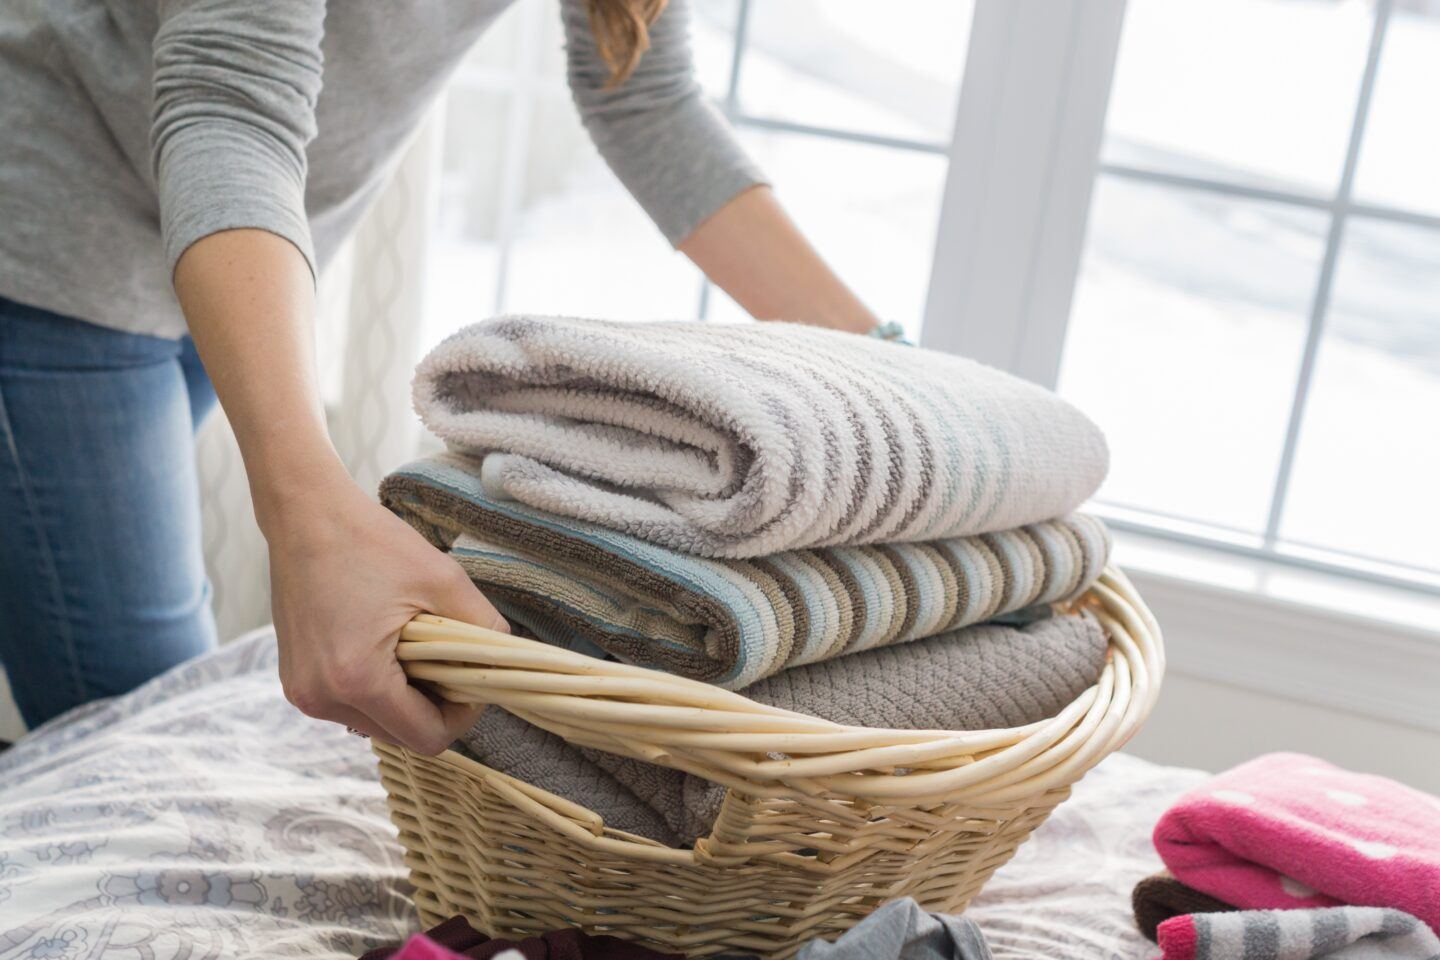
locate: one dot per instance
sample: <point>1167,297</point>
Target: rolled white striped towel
<point>742,440</point>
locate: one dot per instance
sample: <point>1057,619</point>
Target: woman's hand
<point>346,574</point>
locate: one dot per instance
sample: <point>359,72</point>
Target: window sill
<point>1314,637</point>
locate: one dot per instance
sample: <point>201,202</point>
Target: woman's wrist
<point>292,485</point>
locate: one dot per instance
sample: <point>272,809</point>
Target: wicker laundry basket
<point>822,822</point>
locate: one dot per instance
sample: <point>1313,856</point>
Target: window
<point>529,218</point>
<point>1257,318</point>
<point>848,114</point>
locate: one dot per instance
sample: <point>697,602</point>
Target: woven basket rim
<point>727,738</point>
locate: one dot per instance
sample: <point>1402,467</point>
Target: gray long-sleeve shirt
<point>130,129</point>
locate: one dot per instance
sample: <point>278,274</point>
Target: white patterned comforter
<point>202,816</point>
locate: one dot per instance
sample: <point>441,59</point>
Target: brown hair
<point>622,32</point>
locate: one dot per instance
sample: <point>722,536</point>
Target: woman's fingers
<point>406,715</point>
<point>357,722</point>
<point>411,718</point>
<point>325,701</point>
<point>460,717</point>
<point>454,596</point>
<point>390,709</point>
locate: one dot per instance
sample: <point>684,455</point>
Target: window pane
<point>1401,153</point>
<point>870,211</point>
<point>582,245</point>
<point>1259,92</point>
<point>712,41</point>
<point>463,253</point>
<point>499,46</point>
<point>577,242</point>
<point>1184,342</point>
<point>836,63</point>
<point>1369,453</point>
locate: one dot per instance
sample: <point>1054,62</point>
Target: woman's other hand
<point>753,251</point>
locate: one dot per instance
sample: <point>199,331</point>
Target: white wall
<point>1210,725</point>
<point>1257,662</point>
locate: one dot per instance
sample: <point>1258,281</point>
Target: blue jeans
<point>102,580</point>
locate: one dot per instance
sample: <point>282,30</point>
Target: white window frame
<point>1023,159</point>
<point>1027,134</point>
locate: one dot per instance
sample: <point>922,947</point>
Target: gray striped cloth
<point>978,678</point>
<point>1342,933</point>
<point>743,440</point>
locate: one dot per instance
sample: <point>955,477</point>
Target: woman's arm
<point>345,573</point>
<point>235,85</point>
<point>681,161</point>
<point>753,251</point>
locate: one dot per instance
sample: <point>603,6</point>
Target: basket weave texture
<point>821,823</point>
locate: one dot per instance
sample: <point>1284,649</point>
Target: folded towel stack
<point>732,622</point>
<point>1287,856</point>
<point>733,503</point>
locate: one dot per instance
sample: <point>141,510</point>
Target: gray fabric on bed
<point>902,930</point>
<point>977,678</point>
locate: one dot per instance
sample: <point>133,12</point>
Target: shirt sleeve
<point>234,89</point>
<point>670,148</point>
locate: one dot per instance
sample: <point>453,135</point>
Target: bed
<point>201,816</point>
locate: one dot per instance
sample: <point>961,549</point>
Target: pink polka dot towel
<point>1288,831</point>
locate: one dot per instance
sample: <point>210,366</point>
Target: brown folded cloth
<point>1160,896</point>
<point>569,944</point>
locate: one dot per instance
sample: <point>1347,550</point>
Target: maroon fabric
<point>569,944</point>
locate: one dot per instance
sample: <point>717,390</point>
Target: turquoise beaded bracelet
<point>891,331</point>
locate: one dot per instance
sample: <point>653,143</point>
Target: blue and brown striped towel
<point>746,440</point>
<point>732,622</point>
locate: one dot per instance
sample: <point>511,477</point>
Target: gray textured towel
<point>743,440</point>
<point>977,678</point>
